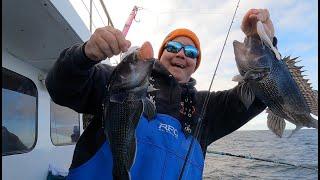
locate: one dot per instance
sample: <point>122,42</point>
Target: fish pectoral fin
<point>276,124</point>
<point>136,113</point>
<point>247,96</point>
<point>256,74</point>
<point>295,130</point>
<point>149,109</point>
<point>238,78</point>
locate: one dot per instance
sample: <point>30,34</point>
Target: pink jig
<point>129,21</point>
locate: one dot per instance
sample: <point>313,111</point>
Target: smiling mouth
<point>181,66</point>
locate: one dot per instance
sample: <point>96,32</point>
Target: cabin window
<point>19,113</point>
<point>65,125</point>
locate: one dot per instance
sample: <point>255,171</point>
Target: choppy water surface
<point>300,149</point>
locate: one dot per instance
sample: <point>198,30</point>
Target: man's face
<point>178,64</point>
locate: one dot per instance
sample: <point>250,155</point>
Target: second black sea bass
<point>277,82</point>
<point>124,105</point>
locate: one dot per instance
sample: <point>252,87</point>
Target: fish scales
<point>270,95</point>
<point>122,132</point>
<point>282,94</point>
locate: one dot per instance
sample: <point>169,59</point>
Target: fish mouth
<point>240,51</point>
<point>238,47</point>
<point>237,43</point>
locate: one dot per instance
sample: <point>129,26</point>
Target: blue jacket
<point>79,83</point>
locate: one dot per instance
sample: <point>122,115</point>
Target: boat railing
<point>93,13</point>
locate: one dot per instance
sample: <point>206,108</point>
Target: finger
<point>122,42</point>
<point>260,15</point>
<point>97,53</point>
<point>114,44</point>
<point>245,20</point>
<point>253,18</point>
<point>104,47</point>
<point>268,23</point>
<point>267,14</point>
<point>249,21</point>
<point>91,49</point>
<point>109,38</point>
<point>263,15</point>
<point>128,45</point>
<point>269,30</point>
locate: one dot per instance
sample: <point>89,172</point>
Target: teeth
<point>179,65</point>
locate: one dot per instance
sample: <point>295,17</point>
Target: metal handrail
<point>106,12</point>
<point>90,10</point>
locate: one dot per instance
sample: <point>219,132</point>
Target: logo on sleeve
<point>168,129</point>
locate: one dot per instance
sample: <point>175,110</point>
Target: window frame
<point>63,144</point>
<point>36,115</point>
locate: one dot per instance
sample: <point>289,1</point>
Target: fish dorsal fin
<point>310,95</point>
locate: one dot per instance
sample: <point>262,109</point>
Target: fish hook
<point>138,9</point>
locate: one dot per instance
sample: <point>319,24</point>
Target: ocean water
<point>301,149</point>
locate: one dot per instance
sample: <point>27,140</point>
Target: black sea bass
<point>124,105</point>
<point>277,82</point>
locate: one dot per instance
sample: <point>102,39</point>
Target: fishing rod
<point>204,107</point>
<point>261,159</point>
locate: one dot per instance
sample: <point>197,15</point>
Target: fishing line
<point>204,107</point>
<point>190,11</point>
<point>261,159</point>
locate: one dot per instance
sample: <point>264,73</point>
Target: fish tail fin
<point>121,175</point>
<point>295,130</point>
<point>314,123</point>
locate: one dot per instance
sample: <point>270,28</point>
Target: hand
<point>106,42</point>
<point>249,22</point>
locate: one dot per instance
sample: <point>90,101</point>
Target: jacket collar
<point>190,84</point>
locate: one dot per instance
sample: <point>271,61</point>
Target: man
<point>78,81</point>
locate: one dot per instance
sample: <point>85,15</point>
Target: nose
<point>181,54</point>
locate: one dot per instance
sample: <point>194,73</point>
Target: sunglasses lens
<point>191,52</point>
<point>173,47</point>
